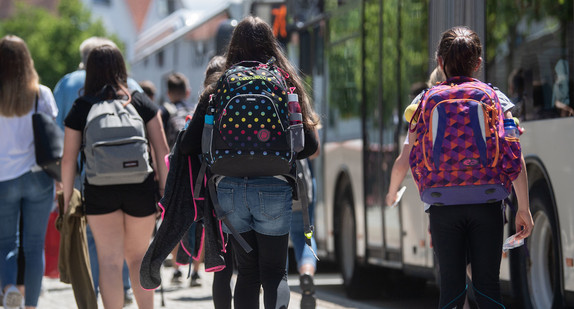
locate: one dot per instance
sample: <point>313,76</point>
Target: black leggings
<point>264,266</point>
<point>221,288</point>
<point>474,229</point>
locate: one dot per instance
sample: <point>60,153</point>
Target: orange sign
<point>280,21</point>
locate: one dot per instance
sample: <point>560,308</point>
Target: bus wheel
<point>355,278</point>
<point>536,266</point>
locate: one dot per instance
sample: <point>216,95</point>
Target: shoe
<point>128,297</point>
<point>195,280</point>
<point>308,299</point>
<point>176,277</point>
<point>13,299</point>
<point>168,263</point>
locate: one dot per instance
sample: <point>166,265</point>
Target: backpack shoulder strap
<point>170,108</point>
<point>417,112</point>
<point>213,195</point>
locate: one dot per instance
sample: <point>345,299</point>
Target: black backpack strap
<point>36,104</point>
<point>301,193</point>
<point>199,180</point>
<point>220,216</point>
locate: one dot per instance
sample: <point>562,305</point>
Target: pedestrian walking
<point>26,191</point>
<point>148,88</point>
<point>464,228</point>
<point>67,90</point>
<point>119,192</point>
<point>221,287</point>
<point>305,255</point>
<point>175,113</point>
<point>264,226</point>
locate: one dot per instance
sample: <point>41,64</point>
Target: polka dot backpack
<point>250,135</point>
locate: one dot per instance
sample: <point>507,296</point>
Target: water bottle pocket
<point>511,154</point>
<point>297,137</point>
<point>206,138</point>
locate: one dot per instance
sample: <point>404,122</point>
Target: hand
<point>523,223</point>
<point>59,188</point>
<point>391,198</point>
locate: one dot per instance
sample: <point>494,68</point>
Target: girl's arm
<point>159,146</point>
<point>523,220</point>
<point>400,170</point>
<point>318,152</point>
<point>72,143</point>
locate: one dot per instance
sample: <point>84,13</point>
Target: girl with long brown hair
<point>25,190</point>
<point>249,201</point>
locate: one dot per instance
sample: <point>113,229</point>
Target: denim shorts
<point>262,204</point>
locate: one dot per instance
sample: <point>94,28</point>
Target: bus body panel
<point>347,158</point>
<point>558,132</point>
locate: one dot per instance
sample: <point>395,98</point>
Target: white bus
<point>364,60</point>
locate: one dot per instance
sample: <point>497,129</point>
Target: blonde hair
<point>89,44</point>
<point>18,77</point>
<point>436,76</point>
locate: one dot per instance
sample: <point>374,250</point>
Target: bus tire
<point>355,276</point>
<point>536,268</point>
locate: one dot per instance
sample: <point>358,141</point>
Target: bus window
<point>529,55</point>
<point>344,66</point>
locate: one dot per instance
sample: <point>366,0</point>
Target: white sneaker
<point>13,299</point>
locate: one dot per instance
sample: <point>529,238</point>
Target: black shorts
<point>137,200</point>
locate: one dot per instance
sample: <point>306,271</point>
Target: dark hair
<point>177,84</point>
<point>253,40</point>
<point>460,51</point>
<point>213,72</point>
<point>105,67</point>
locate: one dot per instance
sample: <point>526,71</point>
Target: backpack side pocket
<point>511,153</point>
<point>297,137</point>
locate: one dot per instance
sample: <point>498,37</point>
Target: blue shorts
<point>262,204</point>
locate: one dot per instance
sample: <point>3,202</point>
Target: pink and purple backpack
<point>460,155</point>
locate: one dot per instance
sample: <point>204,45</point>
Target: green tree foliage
<point>54,39</point>
<point>344,60</point>
<point>508,19</point>
<point>393,58</point>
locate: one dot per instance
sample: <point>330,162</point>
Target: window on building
<point>166,7</point>
<point>175,54</point>
<point>160,58</point>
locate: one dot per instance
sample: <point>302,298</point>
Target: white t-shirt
<point>17,154</point>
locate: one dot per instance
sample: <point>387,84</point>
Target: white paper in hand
<point>511,243</point>
<point>399,196</point>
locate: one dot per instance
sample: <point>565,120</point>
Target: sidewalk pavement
<point>58,295</point>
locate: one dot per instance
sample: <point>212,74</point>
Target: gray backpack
<point>115,145</point>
